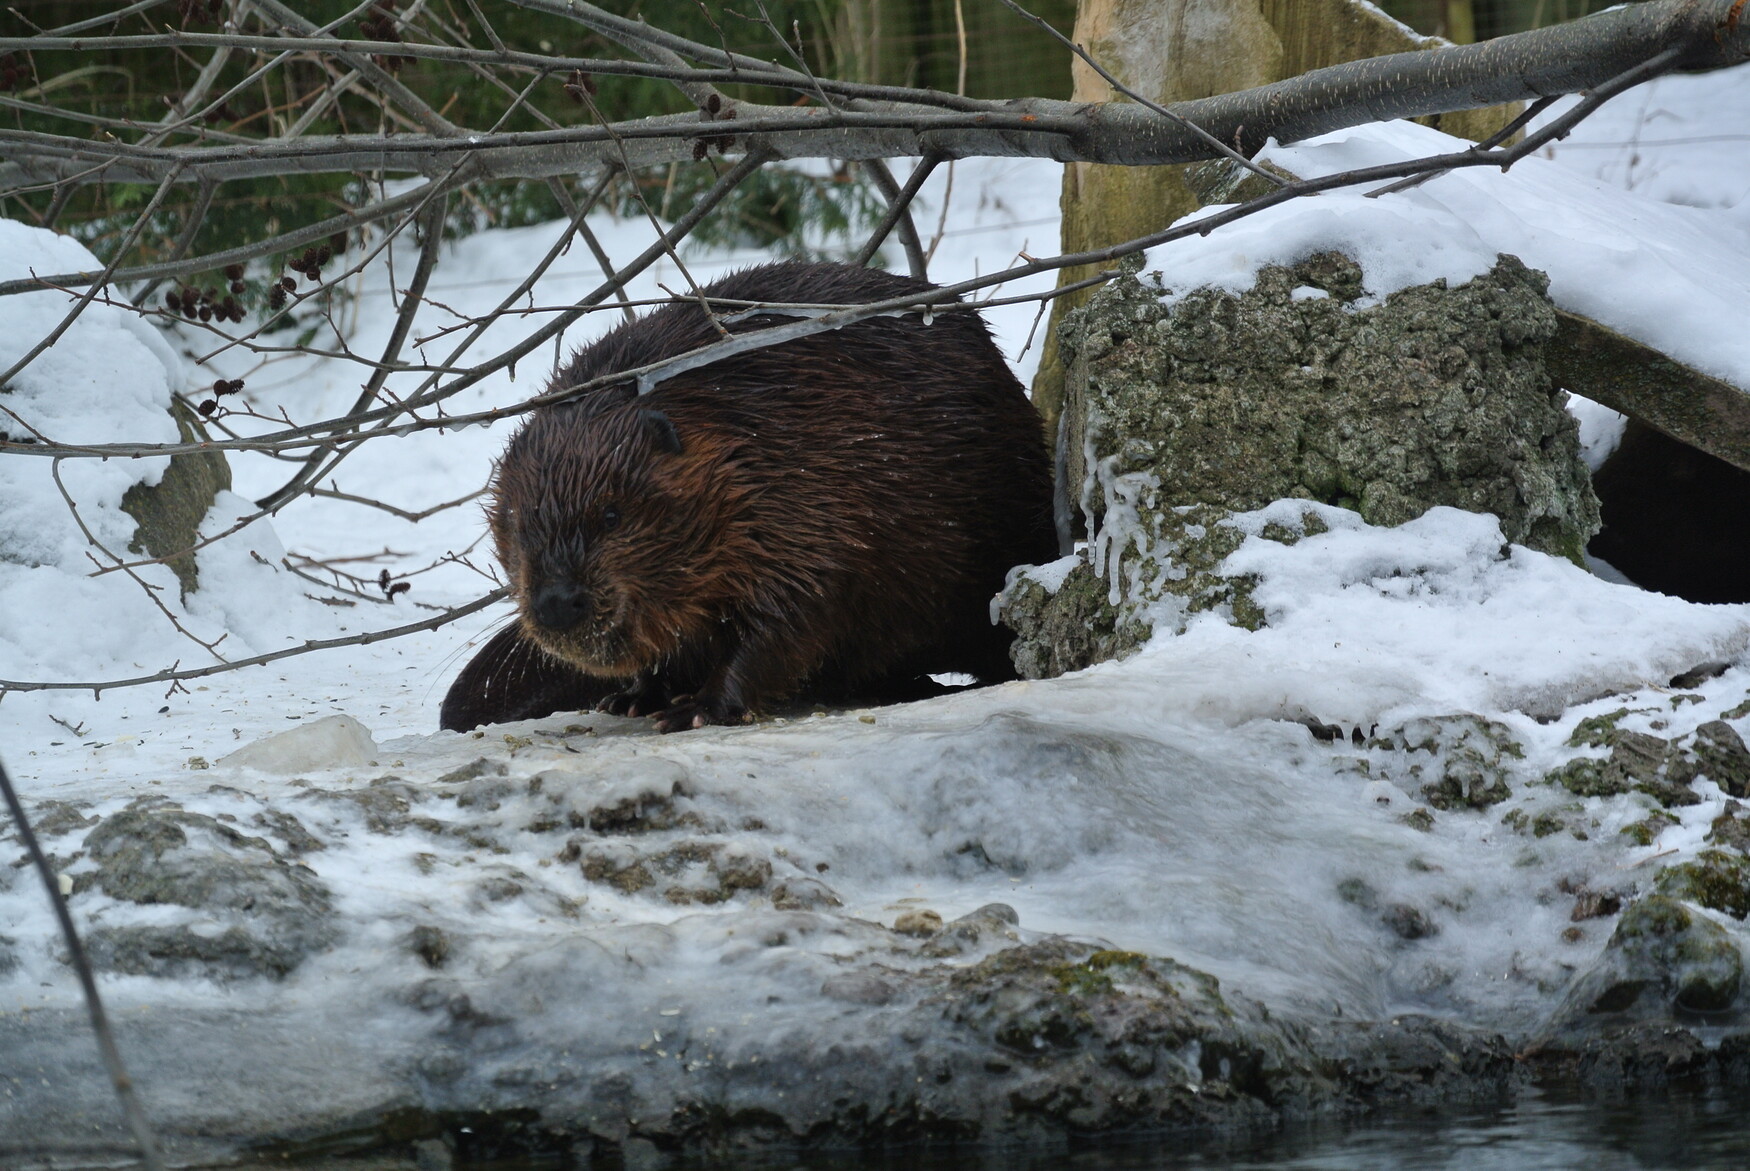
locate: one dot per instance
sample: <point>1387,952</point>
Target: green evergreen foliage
<point>72,94</point>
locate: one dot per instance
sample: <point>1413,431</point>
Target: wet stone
<point>51,819</point>
<point>480,766</point>
<point>1731,829</point>
<point>288,830</point>
<point>1594,904</point>
<point>801,893</point>
<point>1661,956</point>
<point>921,923</point>
<point>386,804</point>
<point>859,988</point>
<point>1455,762</point>
<point>430,944</point>
<point>1715,879</point>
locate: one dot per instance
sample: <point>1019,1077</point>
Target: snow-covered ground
<point>1168,804</point>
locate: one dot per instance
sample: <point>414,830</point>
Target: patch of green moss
<point>1545,824</point>
<point>1645,831</point>
<point>1678,701</point>
<point>1585,777</point>
<point>1080,980</point>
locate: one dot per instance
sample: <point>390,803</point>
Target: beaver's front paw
<point>689,711</point>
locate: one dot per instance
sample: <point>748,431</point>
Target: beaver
<point>826,517</point>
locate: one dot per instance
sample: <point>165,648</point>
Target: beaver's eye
<point>610,519</point>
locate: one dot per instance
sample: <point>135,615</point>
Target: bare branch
<point>175,675</point>
<point>431,219</point>
<point>1525,66</point>
<point>899,215</point>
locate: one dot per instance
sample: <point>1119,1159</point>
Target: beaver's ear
<point>662,432</point>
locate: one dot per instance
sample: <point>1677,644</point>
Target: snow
<point>1614,255</point>
<point>1169,803</point>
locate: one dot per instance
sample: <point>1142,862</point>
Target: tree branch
<point>1526,66</point>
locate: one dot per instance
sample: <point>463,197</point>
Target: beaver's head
<point>610,525</point>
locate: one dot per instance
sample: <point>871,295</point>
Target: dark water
<point>1542,1130</point>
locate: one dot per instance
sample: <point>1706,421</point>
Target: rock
<point>480,766</point>
<point>169,512</point>
<point>1731,829</point>
<point>1456,761</point>
<point>1638,761</point>
<point>921,923</point>
<point>1179,417</point>
<point>1721,756</point>
<point>256,913</point>
<point>1714,879</point>
<point>1661,956</point>
<point>798,892</point>
<point>1434,396</point>
<point>53,818</point>
<point>430,944</point>
<point>331,742</point>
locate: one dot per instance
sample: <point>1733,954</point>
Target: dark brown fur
<point>831,514</point>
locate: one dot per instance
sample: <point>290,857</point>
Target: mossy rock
<point>1434,396</point>
<point>1721,756</point>
<point>1714,879</point>
<point>1662,956</point>
<point>169,513</point>
<point>1457,761</point>
<point>1160,573</point>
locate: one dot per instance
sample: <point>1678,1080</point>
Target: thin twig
<point>309,645</point>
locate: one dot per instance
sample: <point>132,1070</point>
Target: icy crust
<point>1210,885</point>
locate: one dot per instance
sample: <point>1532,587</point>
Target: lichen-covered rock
<point>1661,956</point>
<point>1721,756</point>
<point>1181,415</point>
<point>1299,388</point>
<point>1641,762</point>
<point>1731,829</point>
<point>257,913</point>
<point>1154,570</point>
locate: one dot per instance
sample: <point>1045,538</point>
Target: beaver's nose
<point>559,605</point>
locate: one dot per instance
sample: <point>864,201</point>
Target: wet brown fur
<point>840,512</point>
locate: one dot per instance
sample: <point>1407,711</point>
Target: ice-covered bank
<point>1147,894</point>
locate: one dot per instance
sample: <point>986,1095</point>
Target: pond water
<point>1541,1131</point>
